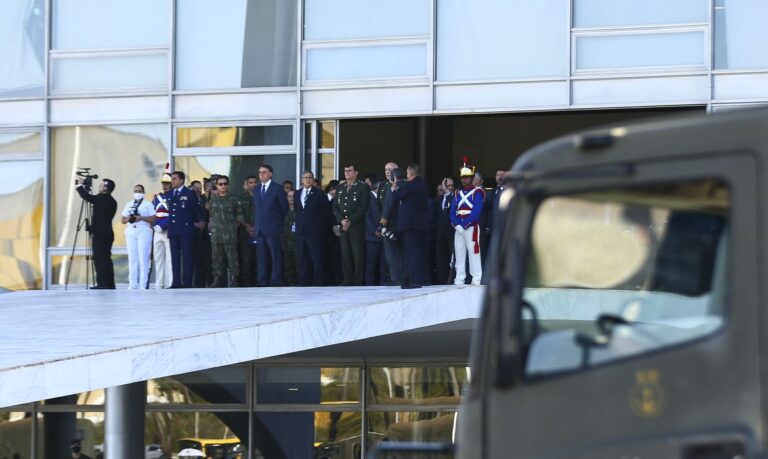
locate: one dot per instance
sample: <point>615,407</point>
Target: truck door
<point>631,327</point>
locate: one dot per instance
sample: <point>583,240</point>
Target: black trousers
<point>443,252</point>
<point>310,251</point>
<point>414,257</point>
<point>375,266</point>
<point>102,259</point>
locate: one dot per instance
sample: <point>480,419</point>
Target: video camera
<point>388,233</point>
<point>86,176</point>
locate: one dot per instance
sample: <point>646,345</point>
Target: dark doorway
<point>490,142</point>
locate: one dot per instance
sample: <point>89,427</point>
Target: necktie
<point>445,201</point>
<point>263,188</point>
<point>304,199</point>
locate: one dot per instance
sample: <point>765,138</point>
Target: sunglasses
<point>222,183</point>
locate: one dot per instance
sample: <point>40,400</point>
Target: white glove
<point>459,229</point>
<point>157,229</point>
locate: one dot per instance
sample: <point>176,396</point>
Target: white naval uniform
<point>138,238</point>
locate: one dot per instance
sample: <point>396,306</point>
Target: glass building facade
<point>255,411</point>
<point>123,87</point>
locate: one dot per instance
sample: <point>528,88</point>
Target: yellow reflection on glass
<point>77,267</point>
<point>327,168</point>
<point>327,134</point>
<point>21,216</point>
<point>20,142</point>
<point>127,154</point>
<point>233,136</point>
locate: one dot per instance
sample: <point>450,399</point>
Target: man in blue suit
<point>312,222</point>
<point>270,205</point>
<point>184,216</point>
<point>413,221</point>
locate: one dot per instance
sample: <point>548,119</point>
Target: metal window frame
<point>663,70</point>
<point>59,56</point>
<point>240,150</point>
<point>376,81</point>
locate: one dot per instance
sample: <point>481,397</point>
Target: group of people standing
<point>355,232</point>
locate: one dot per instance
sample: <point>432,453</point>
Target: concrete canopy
<point>64,342</point>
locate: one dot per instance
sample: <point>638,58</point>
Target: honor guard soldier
<point>161,245</point>
<point>349,208</point>
<point>225,217</point>
<point>466,208</point>
<point>138,217</point>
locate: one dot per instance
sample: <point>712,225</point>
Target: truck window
<point>615,273</point>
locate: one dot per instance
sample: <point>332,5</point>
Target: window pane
<point>308,435</point>
<point>326,170</point>
<point>237,168</point>
<point>423,385</point>
<point>532,35</point>
<point>411,427</point>
<point>307,385</point>
<point>16,434</point>
<point>350,19</point>
<point>636,51</point>
<point>22,26</point>
<point>133,71</point>
<point>360,62</point>
<point>217,435</point>
<point>96,24</point>
<point>740,34</point>
<point>328,134</point>
<point>236,44</point>
<point>603,13</point>
<point>217,385</point>
<point>21,216</point>
<point>127,154</point>
<point>651,259</point>
<point>234,136</point>
<point>75,267</point>
<point>20,142</point>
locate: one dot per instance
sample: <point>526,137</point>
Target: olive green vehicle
<point>622,316</point>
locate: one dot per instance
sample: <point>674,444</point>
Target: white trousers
<point>162,256</point>
<point>464,246</point>
<point>139,247</point>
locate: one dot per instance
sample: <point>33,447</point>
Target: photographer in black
<point>104,209</point>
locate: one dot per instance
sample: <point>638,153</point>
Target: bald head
<point>388,168</point>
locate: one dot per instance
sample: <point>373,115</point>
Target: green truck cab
<point>622,314</point>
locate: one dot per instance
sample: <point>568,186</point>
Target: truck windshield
<point>619,272</point>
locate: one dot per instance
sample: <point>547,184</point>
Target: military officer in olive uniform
<point>351,204</point>
<point>225,216</point>
<point>245,248</point>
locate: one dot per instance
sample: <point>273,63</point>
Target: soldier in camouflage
<point>288,243</point>
<point>225,216</point>
<point>245,248</point>
<point>349,208</point>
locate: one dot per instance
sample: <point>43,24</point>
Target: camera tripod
<point>83,220</point>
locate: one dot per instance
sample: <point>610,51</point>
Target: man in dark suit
<point>185,216</point>
<point>444,233</point>
<point>413,220</point>
<point>270,205</point>
<point>312,219</point>
<point>492,203</point>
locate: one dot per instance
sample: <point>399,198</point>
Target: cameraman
<point>104,209</point>
<point>138,216</point>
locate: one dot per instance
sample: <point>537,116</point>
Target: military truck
<point>622,315</point>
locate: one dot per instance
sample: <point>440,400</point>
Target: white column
<point>124,421</point>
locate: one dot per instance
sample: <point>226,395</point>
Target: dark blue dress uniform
<point>184,212</point>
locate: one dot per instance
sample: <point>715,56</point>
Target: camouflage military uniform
<point>225,216</point>
<point>288,244</point>
<point>352,202</point>
<point>245,249</point>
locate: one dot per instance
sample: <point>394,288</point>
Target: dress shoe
<point>408,286</point>
<point>100,287</point>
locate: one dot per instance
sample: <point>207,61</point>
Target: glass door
<point>321,148</point>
